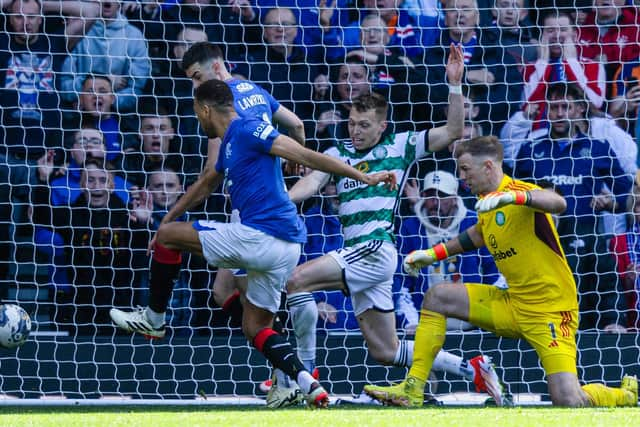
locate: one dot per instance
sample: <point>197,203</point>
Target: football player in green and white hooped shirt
<point>364,268</point>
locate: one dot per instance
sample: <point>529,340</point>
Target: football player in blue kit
<point>267,240</point>
<point>205,61</point>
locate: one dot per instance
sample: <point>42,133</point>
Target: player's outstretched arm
<point>543,200</point>
<point>308,185</point>
<point>469,239</point>
<point>287,148</point>
<point>197,192</point>
<point>442,136</point>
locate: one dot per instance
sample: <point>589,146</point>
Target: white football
<point>15,325</point>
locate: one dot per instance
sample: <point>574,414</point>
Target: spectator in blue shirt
<point>489,69</point>
<point>401,26</point>
<point>320,21</point>
<point>112,47</point>
<point>62,188</point>
<point>96,101</point>
<point>281,67</point>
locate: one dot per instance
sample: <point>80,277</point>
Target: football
<point>15,325</point>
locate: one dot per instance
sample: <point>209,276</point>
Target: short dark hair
<point>564,90</point>
<point>163,168</point>
<point>150,106</point>
<point>97,76</point>
<point>97,162</point>
<point>38,2</point>
<point>334,72</point>
<point>371,101</point>
<point>215,93</point>
<point>482,146</point>
<point>100,164</point>
<point>201,52</point>
<point>556,13</point>
<point>70,133</point>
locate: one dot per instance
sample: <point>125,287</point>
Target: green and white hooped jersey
<point>366,213</point>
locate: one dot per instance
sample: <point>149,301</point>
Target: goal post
<point>132,106</point>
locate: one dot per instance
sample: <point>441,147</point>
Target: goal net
<point>99,138</point>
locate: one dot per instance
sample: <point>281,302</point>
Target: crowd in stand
<point>99,138</point>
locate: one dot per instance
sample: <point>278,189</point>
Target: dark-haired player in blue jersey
<point>266,242</point>
<point>205,61</point>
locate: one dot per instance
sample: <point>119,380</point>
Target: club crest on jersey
<point>227,151</point>
<point>500,218</point>
<point>244,87</point>
<point>379,152</point>
<point>363,167</point>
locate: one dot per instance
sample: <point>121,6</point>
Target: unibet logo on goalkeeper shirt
<point>522,238</point>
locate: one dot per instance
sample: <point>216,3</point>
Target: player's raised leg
<point>170,240</point>
<point>318,274</point>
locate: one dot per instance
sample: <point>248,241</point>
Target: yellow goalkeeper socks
<point>601,395</point>
<point>430,335</point>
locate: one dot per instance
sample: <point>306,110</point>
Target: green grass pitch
<point>249,416</point>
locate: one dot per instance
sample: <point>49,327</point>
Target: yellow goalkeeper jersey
<point>525,245</point>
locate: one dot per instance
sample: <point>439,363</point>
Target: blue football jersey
<point>251,101</point>
<point>254,180</point>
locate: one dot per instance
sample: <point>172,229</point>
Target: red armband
<point>440,251</point>
<point>522,198</point>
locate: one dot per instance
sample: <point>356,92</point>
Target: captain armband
<point>465,241</point>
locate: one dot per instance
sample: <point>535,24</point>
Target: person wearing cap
<point>440,215</point>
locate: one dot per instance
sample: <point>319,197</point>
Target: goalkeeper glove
<point>422,258</point>
<point>501,198</point>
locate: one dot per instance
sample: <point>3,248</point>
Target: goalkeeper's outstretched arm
<point>470,239</point>
<point>547,201</point>
<point>543,200</point>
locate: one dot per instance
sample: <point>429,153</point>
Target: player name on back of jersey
<point>251,101</point>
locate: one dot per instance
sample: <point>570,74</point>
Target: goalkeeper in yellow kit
<point>540,304</point>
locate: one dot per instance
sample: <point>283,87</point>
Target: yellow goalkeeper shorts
<point>552,335</point>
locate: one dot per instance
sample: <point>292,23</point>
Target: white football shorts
<point>368,270</point>
<point>269,261</point>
